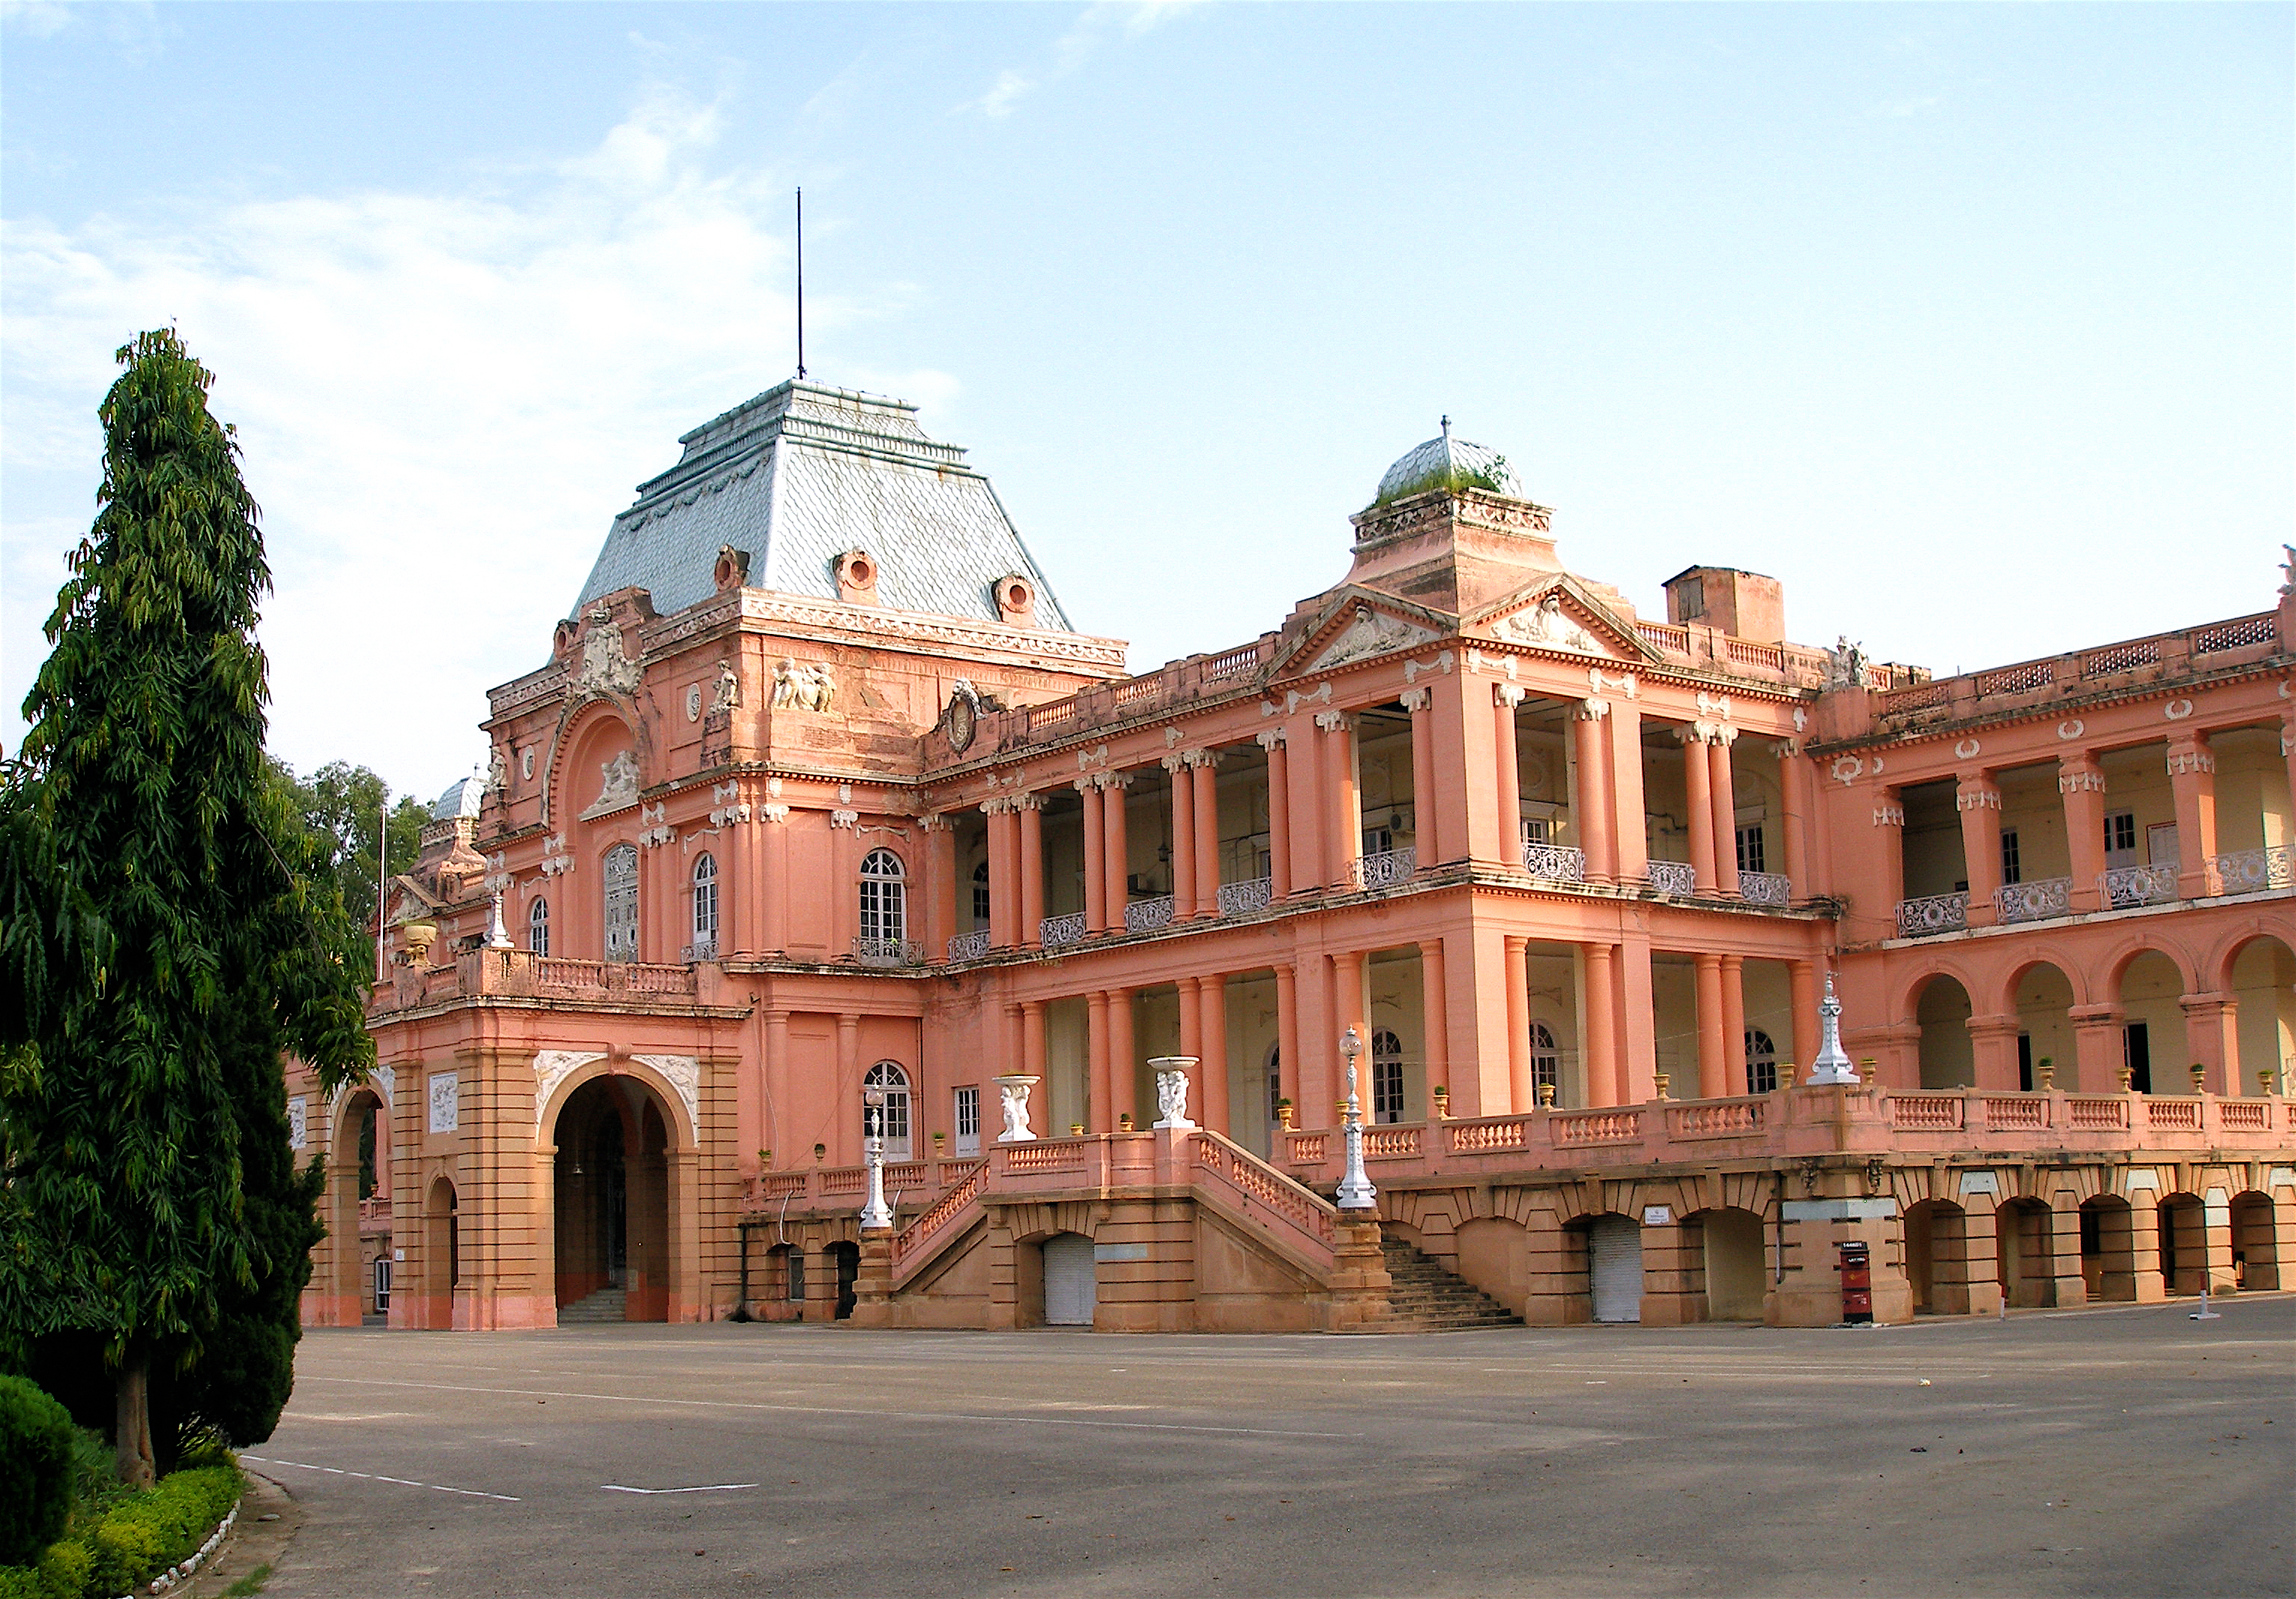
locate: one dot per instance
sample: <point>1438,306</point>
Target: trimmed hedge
<point>36,1469</point>
<point>132,1542</point>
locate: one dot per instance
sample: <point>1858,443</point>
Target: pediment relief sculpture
<point>1371,632</point>
<point>804,685</point>
<point>618,784</point>
<point>1549,627</point>
<point>606,668</point>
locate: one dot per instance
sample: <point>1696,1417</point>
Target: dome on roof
<point>1444,461</point>
<point>461,801</point>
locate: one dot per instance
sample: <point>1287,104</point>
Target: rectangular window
<point>968,1121</point>
<point>2120,834</point>
<point>796,1269</point>
<point>1378,840</point>
<point>2011,870</point>
<point>1750,849</point>
<point>1537,830</point>
<point>2024,1058</point>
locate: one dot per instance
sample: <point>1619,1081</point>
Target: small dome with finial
<point>1451,463</point>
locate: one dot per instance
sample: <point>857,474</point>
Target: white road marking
<point>893,1416</point>
<point>709,1488</point>
<point>304,1466</point>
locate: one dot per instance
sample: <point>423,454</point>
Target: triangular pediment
<point>1354,626</point>
<point>1562,616</point>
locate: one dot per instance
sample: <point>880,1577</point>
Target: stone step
<point>1426,1298</point>
<point>606,1305</point>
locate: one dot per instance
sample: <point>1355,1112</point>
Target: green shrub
<point>36,1469</point>
<point>134,1541</point>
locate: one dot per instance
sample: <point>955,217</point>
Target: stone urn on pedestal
<point>1014,1087</point>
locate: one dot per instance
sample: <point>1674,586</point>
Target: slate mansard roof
<point>799,475</point>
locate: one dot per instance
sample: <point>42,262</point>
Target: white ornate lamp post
<point>874,1212</point>
<point>1356,1191</point>
<point>1831,1065</point>
<point>1014,1087</point>
<point>1172,1090</point>
<point>497,935</point>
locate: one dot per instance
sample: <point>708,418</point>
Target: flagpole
<point>381,872</point>
<point>801,283</point>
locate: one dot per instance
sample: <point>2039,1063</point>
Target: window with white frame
<point>1378,841</point>
<point>1386,1077</point>
<point>1761,1061</point>
<point>2121,838</point>
<point>890,1119</point>
<point>885,900</point>
<point>620,878</point>
<point>705,903</point>
<point>538,926</point>
<point>1546,1058</point>
<point>2013,867</point>
<point>980,894</point>
<point>1274,1086</point>
<point>1750,849</point>
<point>968,1120</point>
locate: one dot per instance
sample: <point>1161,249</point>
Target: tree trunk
<point>132,1420</point>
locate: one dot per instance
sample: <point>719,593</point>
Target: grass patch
<point>251,1584</point>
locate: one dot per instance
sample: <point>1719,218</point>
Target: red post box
<point>1856,1268</point>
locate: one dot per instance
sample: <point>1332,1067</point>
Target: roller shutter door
<point>1614,1260</point>
<point>1070,1281</point>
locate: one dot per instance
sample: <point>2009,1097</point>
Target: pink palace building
<point>821,825</point>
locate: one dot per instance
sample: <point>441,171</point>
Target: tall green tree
<point>344,803</point>
<point>181,941</point>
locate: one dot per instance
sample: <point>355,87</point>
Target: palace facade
<point>822,820</point>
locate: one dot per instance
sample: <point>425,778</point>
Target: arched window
<point>980,894</point>
<point>891,1120</point>
<point>620,878</point>
<point>1761,1061</point>
<point>1386,1076</point>
<point>538,926</point>
<point>705,907</point>
<point>1545,1058</point>
<point>884,904</point>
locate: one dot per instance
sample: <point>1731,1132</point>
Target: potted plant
<point>1284,1114</point>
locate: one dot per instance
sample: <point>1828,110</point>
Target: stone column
<point>1504,698</point>
<point>1032,1059</point>
<point>2192,775</point>
<point>1602,1033</point>
<point>2064,1241</point>
<point>1191,1016</point>
<point>1978,798</point>
<point>2144,1213</point>
<point>1803,978</point>
<point>847,1115</point>
<point>1723,785</point>
<point>2080,781</point>
<point>1204,776</point>
<point>1698,786</point>
<point>2213,1038</point>
<point>1435,1018</point>
<point>2288,746</point>
<point>1212,1044</point>
<point>1596,835</point>
<point>1993,1042</point>
<point>1004,872</point>
<point>1629,823</point>
<point>1794,801</point>
<point>1116,847</point>
<point>1095,850</point>
<point>1347,1011</point>
<point>1279,812</point>
<point>1426,815</point>
<point>1183,837</point>
<point>1100,1114</point>
<point>940,886</point>
<point>2100,1048</point>
<point>1123,1058</point>
<point>1733,1025</point>
<point>1889,851</point>
<point>1033,870</point>
<point>1345,808</point>
<point>1287,1039</point>
<point>778,1129</point>
<point>777,885</point>
<point>1711,1056</point>
<point>1522,1094</point>
<point>1637,1021</point>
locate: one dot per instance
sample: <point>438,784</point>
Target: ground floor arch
<point>2108,1239</point>
<point>1614,1268</point>
<point>1948,1058</point>
<point>2184,1243</point>
<point>2025,1253</point>
<point>611,1203</point>
<point>1071,1291</point>
<point>1735,1279</point>
<point>2255,1243</point>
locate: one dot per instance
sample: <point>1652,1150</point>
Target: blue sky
<point>1971,323</point>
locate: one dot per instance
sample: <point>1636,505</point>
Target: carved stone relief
<point>682,1074</point>
<point>552,1067</point>
<point>1372,633</point>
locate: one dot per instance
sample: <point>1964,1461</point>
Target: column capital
<point>1890,813</point>
<point>1980,793</point>
<point>1590,711</point>
<point>1269,738</point>
<point>2095,1015</point>
<point>1116,780</point>
<point>1333,721</point>
<point>934,821</point>
<point>2189,754</point>
<point>1031,800</point>
<point>2078,773</point>
<point>1994,1027</point>
<point>1507,696</point>
<point>1416,699</point>
<point>1201,757</point>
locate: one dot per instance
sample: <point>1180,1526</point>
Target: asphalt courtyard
<point>2111,1451</point>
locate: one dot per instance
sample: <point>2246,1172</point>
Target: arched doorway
<point>2108,1234</point>
<point>2041,998</point>
<point>610,1204</point>
<point>442,1255</point>
<point>1614,1268</point>
<point>360,1225</point>
<point>2183,1245</point>
<point>2261,977</point>
<point>2026,1253</point>
<point>1735,1281</point>
<point>1948,1059</point>
<point>2152,1025</point>
<point>1072,1281</point>
<point>2255,1243</point>
<point>890,1117</point>
<point>846,1257</point>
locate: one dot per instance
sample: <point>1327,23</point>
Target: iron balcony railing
<point>1553,863</point>
<point>2251,871</point>
<point>886,952</point>
<point>2123,888</point>
<point>1237,898</point>
<point>1385,869</point>
<point>1934,914</point>
<point>1672,877</point>
<point>1056,931</point>
<point>1146,915</point>
<point>969,947</point>
<point>1773,890</point>
<point>2035,901</point>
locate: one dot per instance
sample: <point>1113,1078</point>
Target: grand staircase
<point>606,1305</point>
<point>1428,1299</point>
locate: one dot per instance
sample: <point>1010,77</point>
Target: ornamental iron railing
<point>1385,869</point>
<point>1936,913</point>
<point>1236,898</point>
<point>2124,887</point>
<point>2035,901</point>
<point>1146,915</point>
<point>1673,877</point>
<point>1553,863</point>
<point>1053,932</point>
<point>1774,891</point>
<point>701,949</point>
<point>969,947</point>
<point>2251,871</point>
<point>886,952</point>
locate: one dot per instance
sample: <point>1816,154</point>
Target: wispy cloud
<point>1075,46</point>
<point>1911,105</point>
<point>444,398</point>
